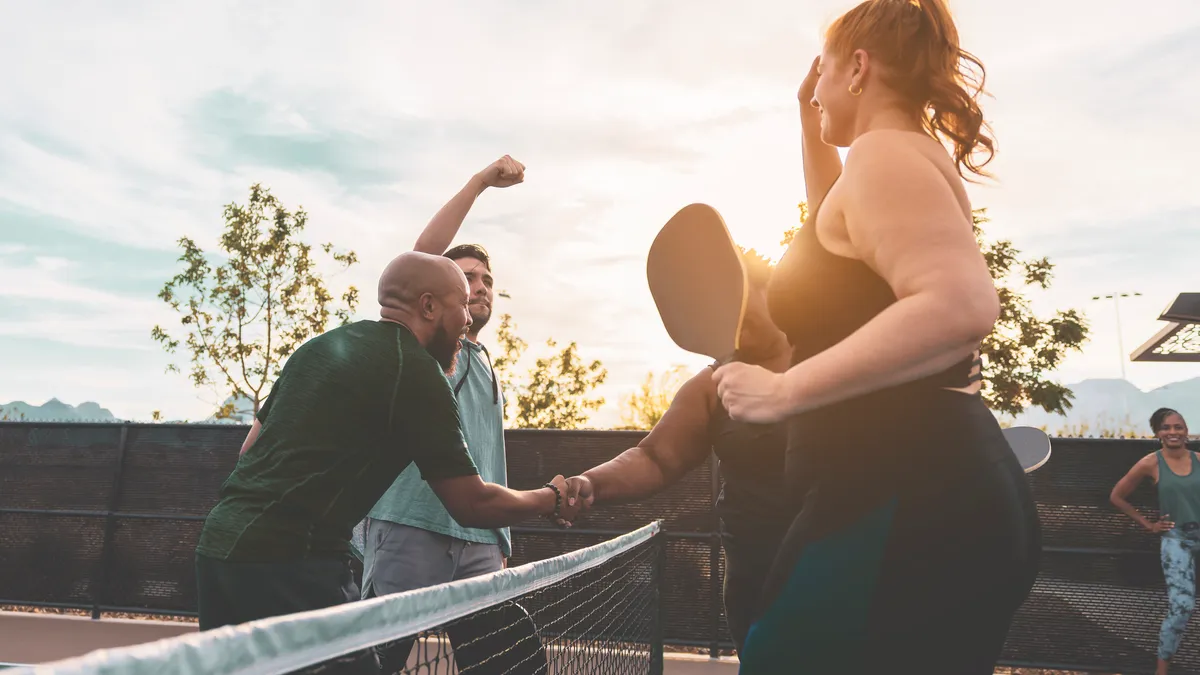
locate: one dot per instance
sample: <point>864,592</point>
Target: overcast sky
<point>123,129</point>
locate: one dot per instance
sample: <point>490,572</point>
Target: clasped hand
<point>577,498</point>
<point>751,393</point>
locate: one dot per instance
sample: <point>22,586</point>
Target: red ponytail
<point>917,43</point>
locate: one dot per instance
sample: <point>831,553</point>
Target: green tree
<point>556,393</point>
<point>511,350</point>
<point>243,317</point>
<point>646,406</point>
<point>1024,350</point>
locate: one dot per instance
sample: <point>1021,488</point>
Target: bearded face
<point>444,348</point>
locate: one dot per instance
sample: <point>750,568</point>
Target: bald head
<point>412,275</point>
<point>428,294</point>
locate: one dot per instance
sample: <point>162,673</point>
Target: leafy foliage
<point>645,407</point>
<point>511,349</point>
<point>243,317</point>
<point>556,392</point>
<point>1024,349</point>
<point>791,231</point>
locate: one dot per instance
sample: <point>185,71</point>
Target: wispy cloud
<point>131,127</point>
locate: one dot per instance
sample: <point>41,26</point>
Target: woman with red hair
<point>918,539</point>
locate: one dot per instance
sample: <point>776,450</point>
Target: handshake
<point>577,496</point>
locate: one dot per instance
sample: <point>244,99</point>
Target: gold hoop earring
<point>855,93</point>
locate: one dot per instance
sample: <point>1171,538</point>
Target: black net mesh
<point>172,470</point>
<point>692,591</point>
<point>601,621</point>
<point>1097,603</point>
<point>50,559</point>
<point>60,467</point>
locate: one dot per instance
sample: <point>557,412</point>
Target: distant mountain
<point>55,410</point>
<point>1100,406</point>
<point>1116,405</point>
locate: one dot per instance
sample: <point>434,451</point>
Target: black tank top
<point>876,443</point>
<point>818,299</point>
<point>753,500</point>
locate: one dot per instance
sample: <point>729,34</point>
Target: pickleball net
<point>593,611</point>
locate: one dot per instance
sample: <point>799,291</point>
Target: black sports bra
<point>818,299</point>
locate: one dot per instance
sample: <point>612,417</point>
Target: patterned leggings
<point>1179,568</point>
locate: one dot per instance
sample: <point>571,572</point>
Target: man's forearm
<point>444,225</point>
<point>629,477</point>
<point>502,507</point>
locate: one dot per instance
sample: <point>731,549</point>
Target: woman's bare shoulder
<point>888,152</point>
<point>890,146</point>
<point>1148,462</point>
<point>897,168</point>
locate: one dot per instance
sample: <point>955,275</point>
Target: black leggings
<point>748,559</point>
<point>926,579</point>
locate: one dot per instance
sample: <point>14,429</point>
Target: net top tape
<point>283,644</point>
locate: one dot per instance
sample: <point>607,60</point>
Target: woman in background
<point>1174,469</point>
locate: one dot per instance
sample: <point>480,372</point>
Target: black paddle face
<point>698,282</point>
<point>1030,446</point>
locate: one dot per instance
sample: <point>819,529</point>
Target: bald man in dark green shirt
<point>351,409</point>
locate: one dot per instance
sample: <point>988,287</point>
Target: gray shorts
<point>399,558</point>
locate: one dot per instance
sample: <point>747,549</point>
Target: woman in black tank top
<point>918,539</point>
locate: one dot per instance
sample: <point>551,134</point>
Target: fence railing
<point>105,517</point>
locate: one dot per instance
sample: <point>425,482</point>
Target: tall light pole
<point>1116,298</point>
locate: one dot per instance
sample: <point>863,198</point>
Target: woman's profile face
<point>833,98</point>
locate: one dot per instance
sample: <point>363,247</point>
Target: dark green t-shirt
<point>351,409</point>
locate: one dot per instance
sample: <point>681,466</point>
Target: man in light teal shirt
<point>411,540</point>
<point>411,502</point>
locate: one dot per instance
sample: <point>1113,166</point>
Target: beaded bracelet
<point>557,500</point>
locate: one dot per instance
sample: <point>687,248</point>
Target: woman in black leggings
<point>918,539</point>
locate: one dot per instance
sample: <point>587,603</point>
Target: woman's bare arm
<point>903,221</point>
<point>679,443</point>
<point>1129,482</point>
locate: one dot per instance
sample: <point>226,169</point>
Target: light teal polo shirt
<point>410,501</point>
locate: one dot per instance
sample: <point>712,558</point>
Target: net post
<point>714,562</point>
<point>660,613</point>
<point>100,580</point>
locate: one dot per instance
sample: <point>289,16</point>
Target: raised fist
<point>503,172</point>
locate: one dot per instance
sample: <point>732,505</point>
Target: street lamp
<point>1115,297</point>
